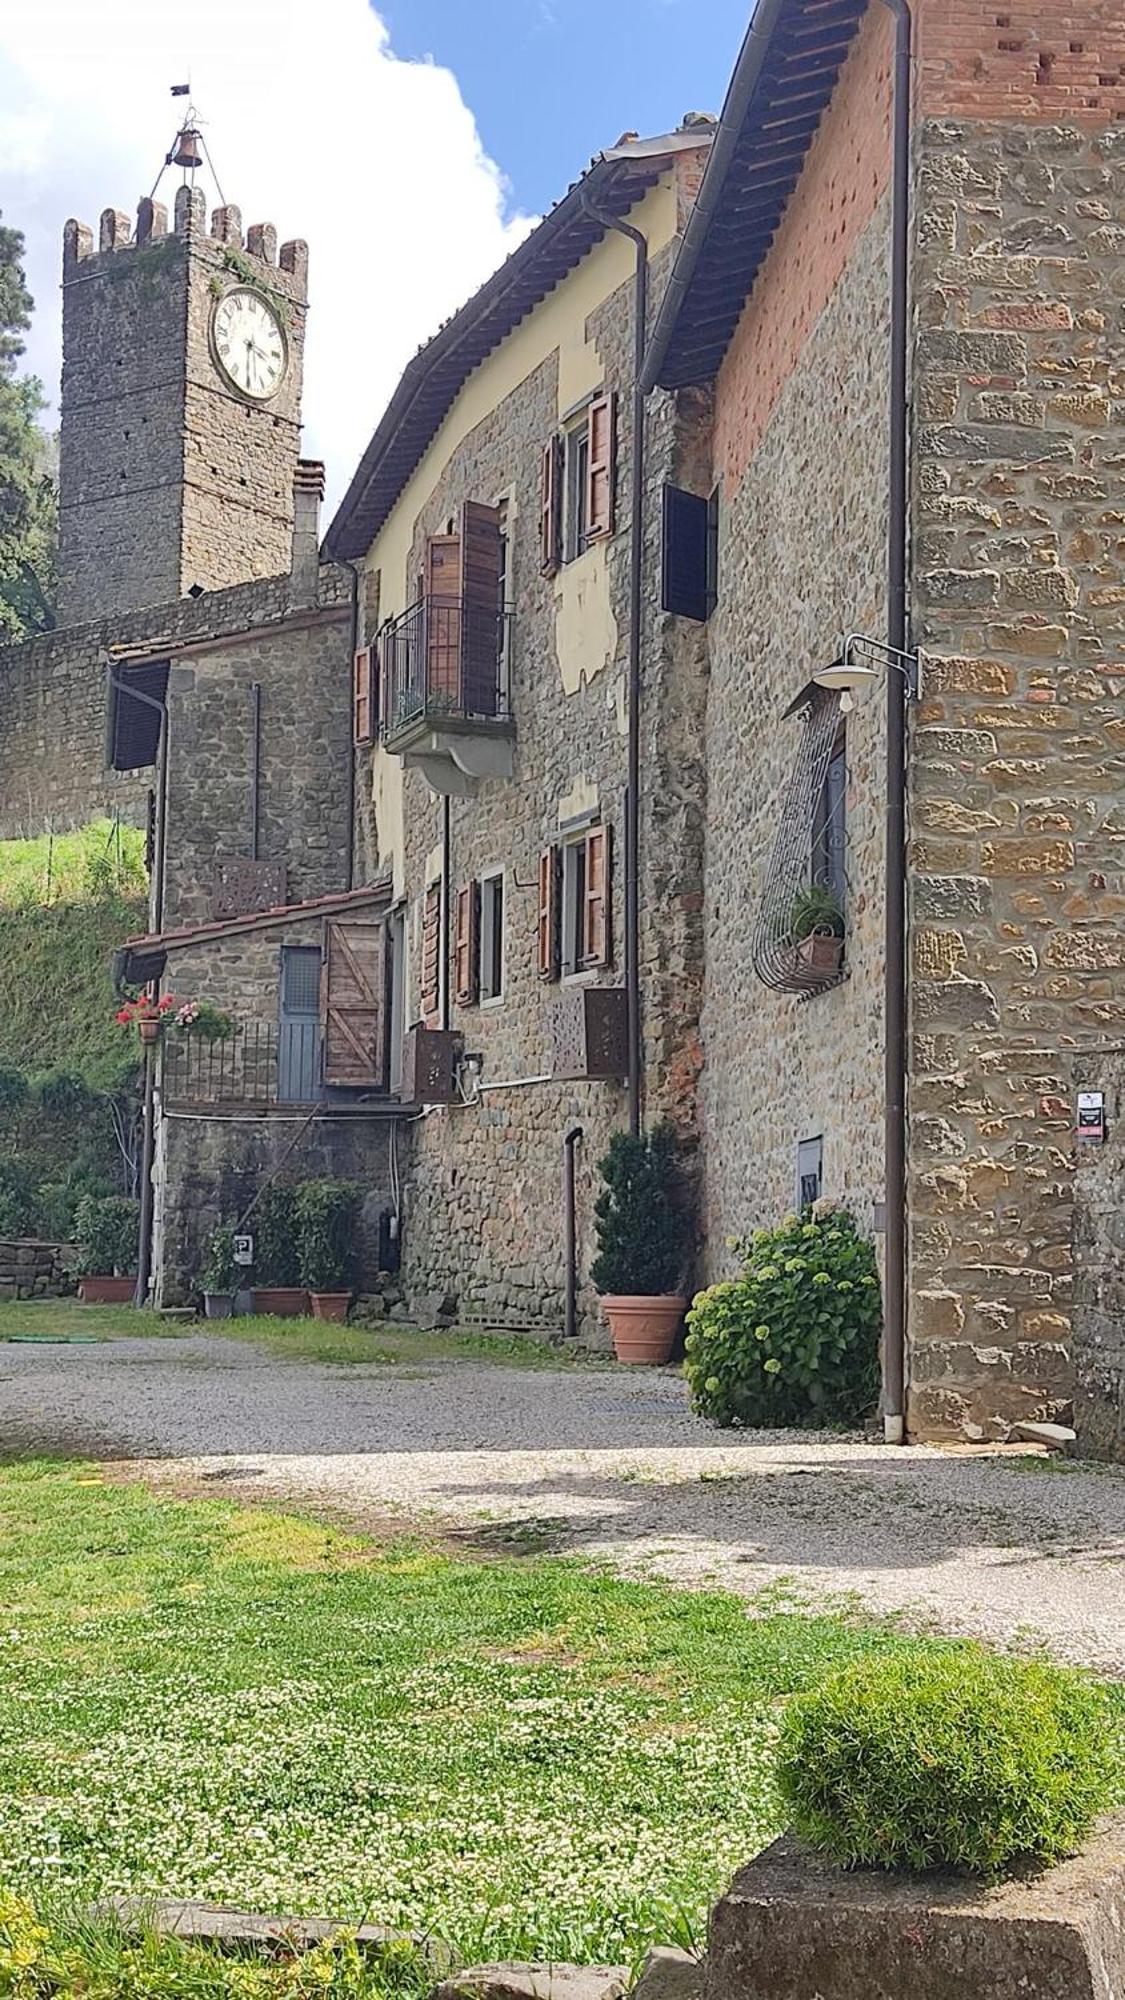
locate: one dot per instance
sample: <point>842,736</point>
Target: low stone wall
<point>33,1270</point>
<point>1098,1318</point>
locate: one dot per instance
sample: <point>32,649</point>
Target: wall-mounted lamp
<point>852,671</point>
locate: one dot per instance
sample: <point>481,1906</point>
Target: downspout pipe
<point>895,993</point>
<point>636,579</point>
<point>446,906</point>
<point>570,1232</point>
<point>349,847</point>
<point>148,1124</point>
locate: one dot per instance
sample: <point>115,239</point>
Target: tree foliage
<point>28,501</point>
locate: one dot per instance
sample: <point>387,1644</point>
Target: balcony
<point>447,709</point>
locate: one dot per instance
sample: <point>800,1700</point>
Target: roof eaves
<point>259,920</point>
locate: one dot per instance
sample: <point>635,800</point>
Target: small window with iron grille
<point>810,1172</point>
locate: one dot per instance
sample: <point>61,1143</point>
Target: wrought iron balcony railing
<point>446,660</point>
<point>259,1064</point>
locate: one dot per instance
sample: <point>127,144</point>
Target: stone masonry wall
<point>1018,758</point>
<point>53,700</point>
<point>483,1222</point>
<point>801,425</point>
<point>33,1270</point>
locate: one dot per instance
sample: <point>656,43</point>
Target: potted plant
<point>277,1289</point>
<point>327,1214</point>
<point>147,1014</point>
<point>219,1277</point>
<point>643,1242</point>
<point>816,925</point>
<point>106,1239</point>
<point>203,1021</point>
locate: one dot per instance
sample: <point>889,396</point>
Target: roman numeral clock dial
<point>249,343</point>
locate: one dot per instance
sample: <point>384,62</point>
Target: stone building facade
<point>482,1224</point>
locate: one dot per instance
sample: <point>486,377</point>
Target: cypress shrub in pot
<point>106,1229</point>
<point>277,1276</point>
<point>327,1219</point>
<point>643,1232</point>
<point>219,1277</point>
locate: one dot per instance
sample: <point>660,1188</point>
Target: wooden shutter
<point>683,567</point>
<point>480,590</point>
<point>352,1003</point>
<point>430,993</point>
<point>443,622</point>
<point>596,913</point>
<point>600,432</point>
<point>550,507</point>
<point>362,707</point>
<point>466,946</point>
<point>549,913</point>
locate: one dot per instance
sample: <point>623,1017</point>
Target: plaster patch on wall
<point>581,802</point>
<point>585,627</point>
<point>433,865</point>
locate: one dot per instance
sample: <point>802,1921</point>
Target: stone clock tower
<point>181,406</point>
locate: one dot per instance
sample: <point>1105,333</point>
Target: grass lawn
<point>527,1757</point>
<point>302,1339</point>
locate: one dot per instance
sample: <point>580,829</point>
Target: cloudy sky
<point>319,121</point>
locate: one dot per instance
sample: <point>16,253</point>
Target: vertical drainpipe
<point>895,997</point>
<point>255,768</point>
<point>570,1233</point>
<point>349,848</point>
<point>636,573</point>
<point>446,905</point>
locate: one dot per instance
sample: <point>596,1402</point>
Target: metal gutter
<point>743,83</point>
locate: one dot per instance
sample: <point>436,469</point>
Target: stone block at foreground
<point>793,1927</point>
<point>544,1981</point>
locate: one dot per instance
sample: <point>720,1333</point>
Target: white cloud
<point>312,123</point>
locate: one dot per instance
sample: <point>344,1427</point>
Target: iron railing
<point>446,656</point>
<point>259,1064</point>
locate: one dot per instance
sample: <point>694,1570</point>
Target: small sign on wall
<point>243,1251</point>
<point>1090,1124</point>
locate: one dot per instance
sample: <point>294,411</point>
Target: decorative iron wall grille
<point>778,956</point>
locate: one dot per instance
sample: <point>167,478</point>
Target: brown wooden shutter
<point>466,946</point>
<point>352,1004</point>
<point>362,709</point>
<point>600,432</point>
<point>443,622</point>
<point>549,927</point>
<point>596,914</point>
<point>480,590</point>
<point>430,984</point>
<point>550,508</point>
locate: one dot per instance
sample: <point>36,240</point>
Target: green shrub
<point>220,1273</point>
<point>795,1340</point>
<point>327,1216</point>
<point>105,1228</point>
<point>13,1092</point>
<point>643,1228</point>
<point>952,1758</point>
<point>56,1202</point>
<point>17,1199</point>
<point>274,1227</point>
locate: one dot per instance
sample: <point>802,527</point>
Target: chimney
<point>308,492</point>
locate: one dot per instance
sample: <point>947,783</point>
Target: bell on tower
<point>188,149</point>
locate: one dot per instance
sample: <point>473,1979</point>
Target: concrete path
<point>1006,1545</point>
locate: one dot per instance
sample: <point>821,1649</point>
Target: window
<point>492,936</point>
<point>576,447</point>
<point>578,481</point>
<point>585,902</point>
<point>828,859</point>
<point>810,1172</point>
<point>690,554</point>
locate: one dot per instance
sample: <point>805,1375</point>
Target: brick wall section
<point>1017,767</point>
<point>845,176</point>
<point>167,477</point>
<point>1021,59</point>
<point>52,699</point>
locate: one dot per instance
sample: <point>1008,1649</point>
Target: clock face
<point>249,343</point>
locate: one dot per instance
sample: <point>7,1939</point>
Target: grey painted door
<point>298,1054</point>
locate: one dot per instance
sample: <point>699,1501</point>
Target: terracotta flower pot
<point>644,1329</point>
<point>330,1305</point>
<point>149,1031</point>
<point>821,951</point>
<point>282,1301</point>
<point>106,1291</point>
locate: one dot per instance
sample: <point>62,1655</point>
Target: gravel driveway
<point>611,1464</point>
